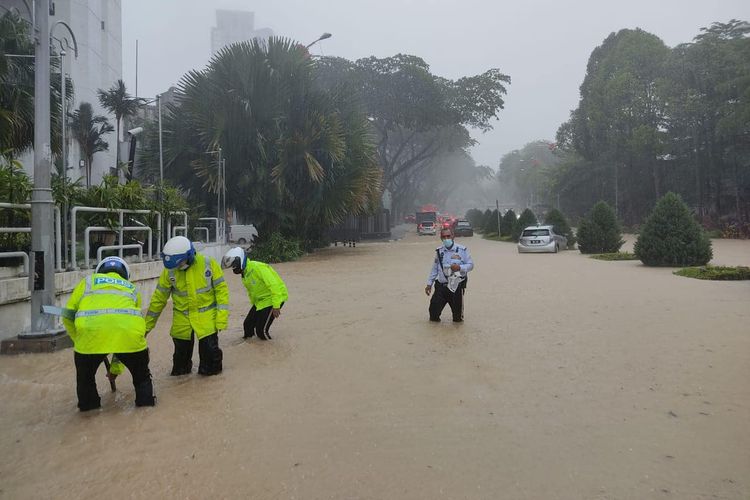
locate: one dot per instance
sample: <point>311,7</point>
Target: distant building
<point>234,26</point>
<point>97,26</point>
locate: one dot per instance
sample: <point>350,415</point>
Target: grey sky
<point>542,44</point>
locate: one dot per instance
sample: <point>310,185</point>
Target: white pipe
<point>100,250</point>
<point>58,230</point>
<point>208,233</point>
<point>87,232</point>
<point>75,210</point>
<point>25,257</point>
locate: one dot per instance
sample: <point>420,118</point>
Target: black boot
<point>182,362</point>
<point>211,356</point>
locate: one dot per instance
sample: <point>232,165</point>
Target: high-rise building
<point>234,26</point>
<point>97,26</point>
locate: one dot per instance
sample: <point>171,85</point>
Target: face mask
<point>183,266</point>
<point>447,243</point>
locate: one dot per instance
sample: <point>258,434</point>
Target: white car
<point>427,227</point>
<point>541,239</point>
<point>242,233</point>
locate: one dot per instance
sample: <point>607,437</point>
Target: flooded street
<point>571,378</point>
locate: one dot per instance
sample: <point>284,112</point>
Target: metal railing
<point>120,230</point>
<point>172,231</point>
<point>23,255</point>
<point>208,233</point>
<point>106,248</point>
<point>219,223</point>
<point>86,240</point>
<point>58,231</point>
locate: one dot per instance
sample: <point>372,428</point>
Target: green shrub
<point>716,273</point>
<point>671,237</point>
<point>556,219</point>
<point>600,232</point>
<point>277,248</point>
<point>507,223</point>
<point>614,256</point>
<point>526,219</point>
<point>489,222</point>
<point>475,217</point>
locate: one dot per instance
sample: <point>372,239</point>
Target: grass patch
<point>614,256</point>
<point>718,273</point>
<point>496,237</point>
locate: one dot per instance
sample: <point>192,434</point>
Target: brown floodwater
<point>570,379</point>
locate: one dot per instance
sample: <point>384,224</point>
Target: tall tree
<point>17,89</point>
<point>417,117</point>
<point>298,158</point>
<point>117,101</point>
<point>88,131</point>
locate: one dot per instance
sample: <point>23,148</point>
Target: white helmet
<point>176,251</point>
<point>114,265</point>
<point>234,258</point>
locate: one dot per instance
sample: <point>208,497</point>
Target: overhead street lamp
<point>322,37</point>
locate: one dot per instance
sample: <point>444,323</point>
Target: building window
<point>102,25</point>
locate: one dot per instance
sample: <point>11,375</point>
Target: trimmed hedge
<point>671,237</point>
<point>614,256</point>
<point>507,223</point>
<point>600,232</point>
<point>559,223</point>
<point>719,273</point>
<point>526,219</point>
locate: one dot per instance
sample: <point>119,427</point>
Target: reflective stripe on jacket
<point>108,316</point>
<point>200,299</point>
<point>264,285</point>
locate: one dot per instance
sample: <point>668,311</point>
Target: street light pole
<point>161,154</point>
<point>322,37</point>
<point>42,273</point>
<point>218,193</point>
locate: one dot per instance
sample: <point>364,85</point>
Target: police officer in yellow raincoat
<point>108,319</point>
<point>265,288</point>
<point>200,299</point>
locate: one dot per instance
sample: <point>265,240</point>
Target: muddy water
<point>570,379</point>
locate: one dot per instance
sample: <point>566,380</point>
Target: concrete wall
<point>15,299</point>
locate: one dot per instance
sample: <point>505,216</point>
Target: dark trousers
<point>441,296</point>
<point>258,322</point>
<point>135,362</point>
<point>209,352</point>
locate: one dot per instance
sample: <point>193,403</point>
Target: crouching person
<point>265,288</point>
<point>107,320</point>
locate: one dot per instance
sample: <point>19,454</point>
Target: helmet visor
<point>174,261</point>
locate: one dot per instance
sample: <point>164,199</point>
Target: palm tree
<point>17,89</point>
<point>88,130</point>
<point>298,158</point>
<point>117,101</point>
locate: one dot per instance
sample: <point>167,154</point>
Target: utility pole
<point>42,273</point>
<point>497,207</point>
<point>64,120</point>
<point>161,154</point>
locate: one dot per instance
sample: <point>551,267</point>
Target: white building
<point>234,26</point>
<point>97,26</point>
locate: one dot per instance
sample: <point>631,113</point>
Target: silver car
<point>541,239</point>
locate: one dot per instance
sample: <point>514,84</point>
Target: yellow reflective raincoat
<point>108,316</point>
<point>264,285</point>
<point>200,299</point>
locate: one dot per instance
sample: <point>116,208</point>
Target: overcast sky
<point>542,44</point>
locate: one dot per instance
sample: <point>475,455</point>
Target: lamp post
<point>41,274</point>
<point>221,187</point>
<point>322,37</point>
